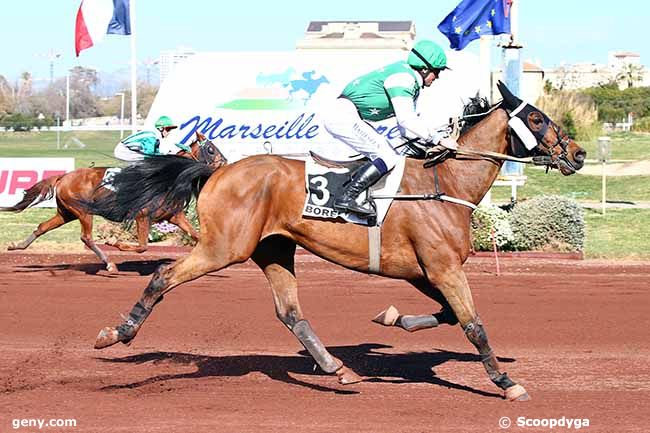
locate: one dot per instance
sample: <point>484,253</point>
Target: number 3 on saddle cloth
<point>107,180</point>
<point>325,183</point>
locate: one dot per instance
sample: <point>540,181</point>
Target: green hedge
<point>546,223</point>
<point>642,124</point>
<point>484,220</point>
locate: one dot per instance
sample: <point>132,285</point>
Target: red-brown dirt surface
<point>213,357</point>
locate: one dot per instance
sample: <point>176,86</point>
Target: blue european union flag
<point>473,18</point>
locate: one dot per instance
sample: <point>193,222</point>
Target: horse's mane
<point>474,111</point>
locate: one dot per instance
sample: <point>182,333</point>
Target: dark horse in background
<point>86,183</point>
<point>253,209</point>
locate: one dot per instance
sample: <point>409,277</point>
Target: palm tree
<point>630,74</point>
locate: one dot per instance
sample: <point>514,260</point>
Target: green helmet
<point>165,122</point>
<point>432,53</point>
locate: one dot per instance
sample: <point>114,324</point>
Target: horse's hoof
<point>111,267</point>
<point>388,317</point>
<point>347,376</point>
<point>517,393</point>
<point>107,337</point>
<point>12,246</point>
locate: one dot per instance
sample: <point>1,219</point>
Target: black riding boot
<point>362,179</point>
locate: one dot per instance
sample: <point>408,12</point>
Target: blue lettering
<point>293,125</point>
<point>268,132</point>
<point>394,132</point>
<point>304,125</point>
<point>381,129</point>
<point>312,131</point>
<point>228,131</point>
<point>278,134</point>
<point>244,129</point>
<point>198,124</point>
<point>256,132</point>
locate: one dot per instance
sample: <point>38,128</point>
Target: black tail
<point>162,184</point>
<point>43,190</point>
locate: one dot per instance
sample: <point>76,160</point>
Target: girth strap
<point>374,248</point>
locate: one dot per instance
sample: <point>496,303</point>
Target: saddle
<point>350,165</point>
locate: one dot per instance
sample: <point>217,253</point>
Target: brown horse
<point>84,183</point>
<point>253,209</point>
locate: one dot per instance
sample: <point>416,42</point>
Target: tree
<point>6,96</point>
<point>83,102</point>
<point>630,74</point>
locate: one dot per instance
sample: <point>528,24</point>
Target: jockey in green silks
<point>391,91</point>
<point>140,145</point>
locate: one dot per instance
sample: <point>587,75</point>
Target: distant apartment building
<point>583,75</point>
<point>358,35</point>
<point>169,59</point>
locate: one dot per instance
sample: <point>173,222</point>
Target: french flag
<point>97,18</point>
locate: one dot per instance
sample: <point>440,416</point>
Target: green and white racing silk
<point>373,93</point>
<point>149,144</point>
<point>392,91</point>
<point>145,142</point>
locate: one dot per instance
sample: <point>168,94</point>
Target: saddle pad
<point>325,184</point>
<point>107,180</point>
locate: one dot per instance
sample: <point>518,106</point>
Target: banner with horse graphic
<point>251,103</point>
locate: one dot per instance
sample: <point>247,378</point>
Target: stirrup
<point>355,209</point>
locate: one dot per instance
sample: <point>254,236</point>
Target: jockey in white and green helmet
<point>143,144</point>
<point>387,92</point>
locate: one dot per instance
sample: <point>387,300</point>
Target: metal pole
<point>58,132</point>
<point>121,115</point>
<point>604,201</point>
<point>67,99</point>
<point>134,106</point>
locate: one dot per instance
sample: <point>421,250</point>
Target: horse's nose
<point>579,157</point>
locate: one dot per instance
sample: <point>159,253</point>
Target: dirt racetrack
<point>213,357</point>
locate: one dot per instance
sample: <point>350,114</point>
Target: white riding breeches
<point>123,153</point>
<point>341,119</point>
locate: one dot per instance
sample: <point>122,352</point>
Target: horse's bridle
<point>555,159</point>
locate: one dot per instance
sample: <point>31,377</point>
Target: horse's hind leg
<point>392,317</point>
<point>56,221</point>
<point>181,221</point>
<point>275,256</point>
<point>142,225</point>
<point>86,221</point>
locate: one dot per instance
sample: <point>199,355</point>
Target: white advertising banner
<point>20,174</point>
<point>263,102</point>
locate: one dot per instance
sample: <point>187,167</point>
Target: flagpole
<point>512,73</point>
<point>134,75</point>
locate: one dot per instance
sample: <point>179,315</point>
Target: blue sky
<point>552,31</point>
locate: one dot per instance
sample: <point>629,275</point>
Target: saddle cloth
<point>107,180</point>
<point>325,184</point>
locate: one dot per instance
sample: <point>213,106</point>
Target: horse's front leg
<point>452,283</point>
<point>409,322</point>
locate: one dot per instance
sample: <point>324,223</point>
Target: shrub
<point>546,223</point>
<point>642,124</point>
<point>575,112</point>
<point>484,220</point>
<point>161,231</point>
<point>569,125</point>
<point>111,232</point>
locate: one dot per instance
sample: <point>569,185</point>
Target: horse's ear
<point>511,100</point>
<point>199,136</point>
